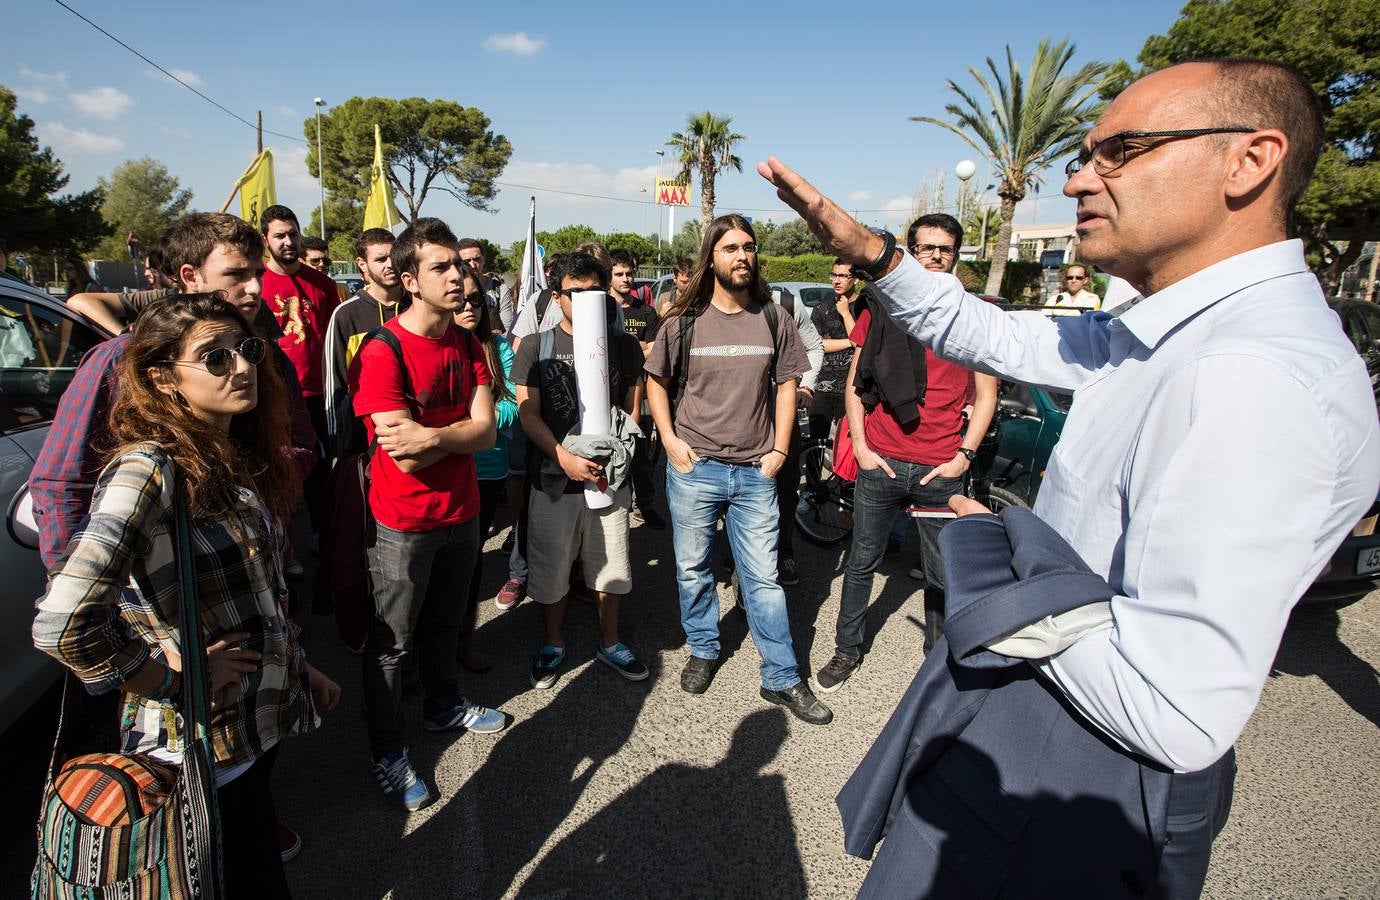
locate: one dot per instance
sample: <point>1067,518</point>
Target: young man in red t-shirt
<point>425,420</point>
<point>301,300</point>
<point>905,415</point>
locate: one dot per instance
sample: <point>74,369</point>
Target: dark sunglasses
<point>220,360</point>
<point>477,300</point>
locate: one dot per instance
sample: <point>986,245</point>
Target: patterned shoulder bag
<point>129,826</point>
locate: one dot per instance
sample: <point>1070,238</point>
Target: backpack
<point>685,340</point>
<point>390,340</point>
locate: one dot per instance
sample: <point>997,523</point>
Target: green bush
<point>807,267</point>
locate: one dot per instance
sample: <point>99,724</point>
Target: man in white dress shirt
<point>1223,436</point>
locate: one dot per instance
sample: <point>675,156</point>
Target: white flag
<point>533,280</point>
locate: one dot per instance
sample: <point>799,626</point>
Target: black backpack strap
<point>685,338</point>
<point>773,317</point>
<point>390,340</point>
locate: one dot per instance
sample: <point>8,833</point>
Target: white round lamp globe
<point>965,169</point>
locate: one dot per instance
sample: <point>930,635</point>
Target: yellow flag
<point>379,209</point>
<point>257,191</point>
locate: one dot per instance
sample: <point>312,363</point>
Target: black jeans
<point>787,493</point>
<point>249,834</point>
<point>876,500</point>
<point>314,488</point>
<point>645,453</point>
<point>489,492</point>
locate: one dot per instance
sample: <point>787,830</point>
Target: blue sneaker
<point>545,666</point>
<point>623,662</point>
<point>400,782</point>
<point>467,716</point>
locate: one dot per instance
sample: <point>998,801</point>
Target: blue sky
<point>586,93</point>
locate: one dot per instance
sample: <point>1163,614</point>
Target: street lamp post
<point>320,165</point>
<point>661,160</point>
<point>964,170</point>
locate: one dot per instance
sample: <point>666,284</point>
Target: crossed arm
<point>414,446</point>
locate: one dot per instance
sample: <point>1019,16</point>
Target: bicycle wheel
<point>825,516</point>
<point>817,465</point>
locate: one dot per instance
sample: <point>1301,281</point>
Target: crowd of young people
<point>451,400</point>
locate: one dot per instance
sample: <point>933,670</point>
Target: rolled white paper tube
<point>590,320</point>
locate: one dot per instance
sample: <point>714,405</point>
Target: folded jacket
<point>615,451</point>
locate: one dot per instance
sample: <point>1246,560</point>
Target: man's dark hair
<point>577,265</point>
<point>685,265</point>
<point>469,244</point>
<point>1261,94</point>
<point>315,243</point>
<point>600,254</point>
<point>701,287</point>
<point>622,257</point>
<point>942,221</point>
<point>154,258</point>
<point>368,238</point>
<point>193,238</point>
<point>277,213</point>
<point>549,264</point>
<point>421,231</point>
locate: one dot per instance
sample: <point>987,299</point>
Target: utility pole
<point>259,132</point>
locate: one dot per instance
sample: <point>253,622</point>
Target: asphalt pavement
<point>606,788</point>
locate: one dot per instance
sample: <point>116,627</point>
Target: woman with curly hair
<point>197,422</point>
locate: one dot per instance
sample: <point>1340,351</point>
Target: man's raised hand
<point>839,232</point>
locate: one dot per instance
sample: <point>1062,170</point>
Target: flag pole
<point>236,189</point>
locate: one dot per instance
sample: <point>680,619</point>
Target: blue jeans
<point>876,501</point>
<point>752,522</point>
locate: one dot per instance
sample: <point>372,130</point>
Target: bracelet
<point>165,687</point>
<point>774,450</point>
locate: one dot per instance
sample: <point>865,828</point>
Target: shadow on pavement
<point>1312,645</point>
<point>685,831</point>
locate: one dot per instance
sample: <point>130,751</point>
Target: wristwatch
<point>970,455</point>
<point>877,268</point>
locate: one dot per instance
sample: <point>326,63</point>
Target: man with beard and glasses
<point>722,389</point>
<point>640,320</point>
<point>1097,759</point>
<point>301,299</point>
<point>380,299</point>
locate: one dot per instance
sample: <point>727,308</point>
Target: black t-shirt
<point>555,378</point>
<point>640,321</point>
<point>834,373</point>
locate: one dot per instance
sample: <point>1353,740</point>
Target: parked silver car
<point>41,343</point>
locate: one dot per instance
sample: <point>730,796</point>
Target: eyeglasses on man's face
<point>1111,153</point>
<point>933,249</point>
<point>734,249</point>
<point>1075,278</point>
<point>219,361</point>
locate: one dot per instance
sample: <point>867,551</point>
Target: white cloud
<point>290,171</point>
<point>102,102</point>
<point>519,42</point>
<point>72,141</point>
<point>580,178</point>
<point>32,96</point>
<point>186,75</point>
<point>286,112</point>
<point>55,77</point>
<point>860,196</point>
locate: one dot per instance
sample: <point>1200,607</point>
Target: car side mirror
<point>19,519</point>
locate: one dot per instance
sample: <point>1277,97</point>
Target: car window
<point>1062,402</point>
<point>814,296</point>
<point>1016,400</point>
<point>39,352</point>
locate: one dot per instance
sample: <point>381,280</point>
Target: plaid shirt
<point>124,559</point>
<point>65,472</point>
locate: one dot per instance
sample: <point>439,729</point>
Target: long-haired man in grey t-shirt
<point>725,443</point>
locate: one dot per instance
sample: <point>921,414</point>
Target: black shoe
<point>801,702</point>
<point>507,546</point>
<point>835,673</point>
<point>651,518</point>
<point>697,674</point>
<point>787,572</point>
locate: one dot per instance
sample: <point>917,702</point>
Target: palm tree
<point>707,145</point>
<point>1026,125</point>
